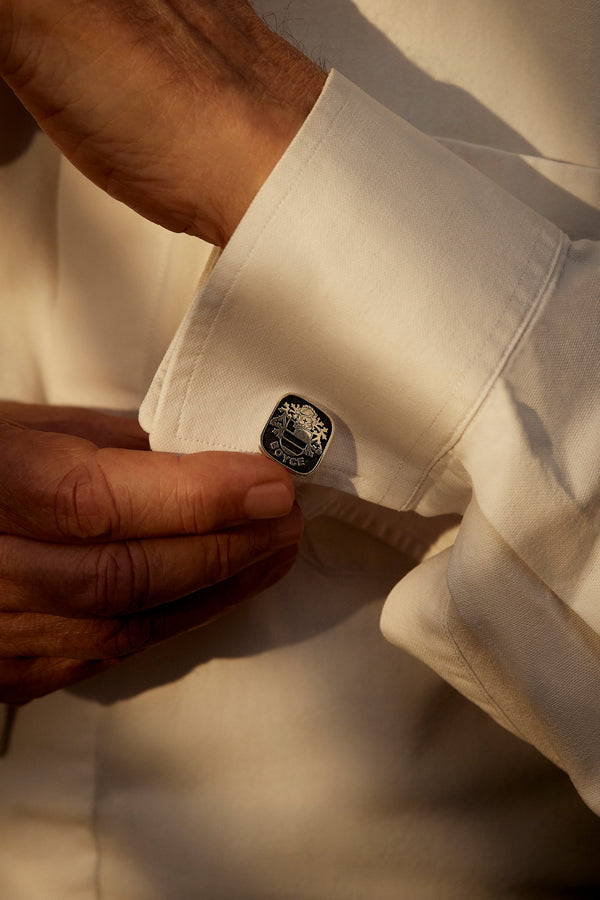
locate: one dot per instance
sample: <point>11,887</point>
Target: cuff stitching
<point>529,314</point>
<point>236,276</point>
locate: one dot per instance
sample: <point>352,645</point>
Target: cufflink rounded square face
<point>297,434</point>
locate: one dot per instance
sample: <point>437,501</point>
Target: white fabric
<point>289,751</point>
<point>434,334</point>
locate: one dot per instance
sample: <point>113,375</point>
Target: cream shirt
<point>453,333</point>
<point>450,329</point>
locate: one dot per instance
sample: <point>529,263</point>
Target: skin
<point>102,542</point>
<point>180,109</point>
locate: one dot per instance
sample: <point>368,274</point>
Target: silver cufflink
<point>297,434</point>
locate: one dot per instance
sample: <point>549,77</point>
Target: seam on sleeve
<point>473,677</point>
<point>553,274</point>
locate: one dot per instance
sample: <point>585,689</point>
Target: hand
<point>180,108</point>
<point>100,548</point>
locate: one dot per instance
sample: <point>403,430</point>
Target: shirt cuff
<point>379,276</point>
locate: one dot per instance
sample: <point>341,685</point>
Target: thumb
<point>62,488</point>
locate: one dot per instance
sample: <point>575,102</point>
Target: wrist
<point>284,90</point>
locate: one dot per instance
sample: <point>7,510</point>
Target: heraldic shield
<point>297,434</point>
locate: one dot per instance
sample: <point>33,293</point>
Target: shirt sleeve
<point>451,333</point>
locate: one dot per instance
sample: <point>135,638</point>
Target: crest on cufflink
<point>297,434</point>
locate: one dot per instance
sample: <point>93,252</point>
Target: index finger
<point>62,488</point>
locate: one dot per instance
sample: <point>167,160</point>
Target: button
<point>297,434</point>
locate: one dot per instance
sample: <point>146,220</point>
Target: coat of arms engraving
<point>297,434</point>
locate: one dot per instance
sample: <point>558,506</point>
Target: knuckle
<point>218,558</point>
<point>192,503</point>
<point>226,553</point>
<point>200,501</point>
<point>85,507</point>
<point>119,577</point>
<point>122,637</point>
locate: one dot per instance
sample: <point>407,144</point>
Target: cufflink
<point>297,434</point>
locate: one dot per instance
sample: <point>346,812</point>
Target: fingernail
<point>287,531</point>
<point>267,501</point>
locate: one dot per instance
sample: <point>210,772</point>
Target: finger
<point>23,680</point>
<point>44,635</point>
<point>61,488</point>
<point>187,615</point>
<point>102,428</point>
<point>124,577</point>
